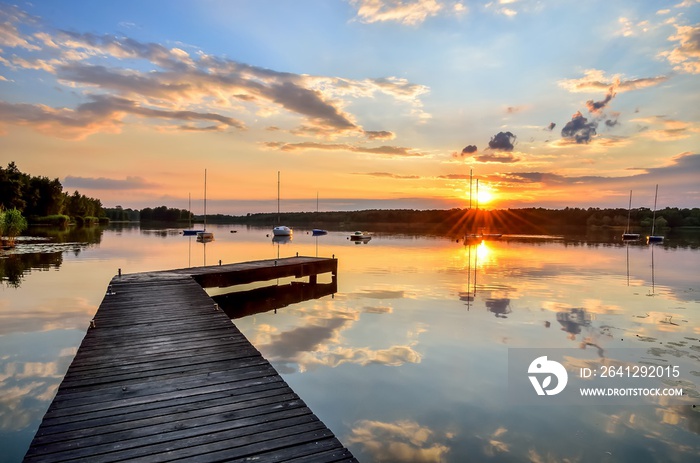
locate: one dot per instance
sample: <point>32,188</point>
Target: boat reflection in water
<point>500,307</point>
<point>282,239</point>
<point>573,321</point>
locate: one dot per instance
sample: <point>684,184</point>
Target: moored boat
<point>360,236</point>
<point>472,238</point>
<point>204,236</point>
<point>627,236</point>
<point>190,231</point>
<point>654,239</point>
<point>282,230</point>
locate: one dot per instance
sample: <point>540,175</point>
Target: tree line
<point>42,200</point>
<point>37,198</point>
<point>522,220</point>
<point>148,214</point>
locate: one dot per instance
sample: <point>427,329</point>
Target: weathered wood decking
<point>165,376</point>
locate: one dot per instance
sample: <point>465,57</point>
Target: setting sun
<point>485,197</point>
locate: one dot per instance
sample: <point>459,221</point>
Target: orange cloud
<point>383,150</point>
<point>686,55</point>
<point>406,12</point>
<point>594,81</point>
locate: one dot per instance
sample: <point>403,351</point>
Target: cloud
<point>287,346</point>
<point>597,106</point>
<point>686,55</point>
<point>318,343</point>
<point>538,177</point>
<point>380,135</point>
<point>661,128</point>
<point>106,105</point>
<point>311,104</point>
<point>682,167</point>
<point>398,87</point>
<point>193,86</point>
<point>169,79</point>
<point>628,28</point>
<point>595,81</point>
<point>407,12</point>
<point>58,122</point>
<point>102,183</point>
<point>497,157</point>
<point>119,47</point>
<point>503,10</point>
<point>466,152</point>
<point>579,129</point>
<point>515,109</point>
<point>9,35</point>
<point>502,141</point>
<point>550,127</point>
<point>151,87</point>
<point>383,150</point>
<point>686,163</point>
<point>102,114</point>
<point>403,440</point>
<point>388,175</point>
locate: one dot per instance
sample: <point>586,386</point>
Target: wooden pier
<point>162,374</point>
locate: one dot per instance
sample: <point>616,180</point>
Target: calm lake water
<point>408,360</point>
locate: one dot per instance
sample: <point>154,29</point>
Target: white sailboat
<point>627,236</point>
<point>204,236</point>
<point>280,230</point>
<point>190,231</point>
<point>654,238</point>
<point>318,231</point>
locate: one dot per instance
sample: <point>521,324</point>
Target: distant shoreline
<point>456,221</point>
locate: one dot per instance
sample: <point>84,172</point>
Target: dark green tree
<point>12,223</point>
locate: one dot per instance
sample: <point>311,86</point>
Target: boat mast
<point>629,210</point>
<point>470,188</point>
<point>278,197</point>
<point>477,194</point>
<point>205,199</point>
<point>653,219</point>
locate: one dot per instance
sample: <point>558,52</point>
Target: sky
<point>358,104</point>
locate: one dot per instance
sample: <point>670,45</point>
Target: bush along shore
<point>42,201</point>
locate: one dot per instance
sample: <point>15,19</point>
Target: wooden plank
<point>160,408</point>
<point>109,393</point>
<point>137,434</point>
<point>163,375</point>
<point>115,410</point>
<point>162,449</point>
<point>127,412</point>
